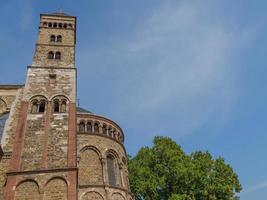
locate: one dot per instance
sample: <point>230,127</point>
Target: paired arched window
<point>111,170</point>
<point>54,38</point>
<point>52,55</point>
<point>60,104</point>
<point>38,106</point>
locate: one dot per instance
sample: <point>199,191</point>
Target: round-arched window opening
<point>51,55</point>
<point>89,127</point>
<point>42,107</point>
<point>60,25</point>
<point>63,106</point>
<point>52,38</point>
<point>70,25</point>
<point>45,24</point>
<point>59,38</point>
<point>50,25</point>
<point>65,26</point>
<point>82,127</point>
<point>56,106</point>
<point>58,55</point>
<point>96,128</point>
<point>55,25</point>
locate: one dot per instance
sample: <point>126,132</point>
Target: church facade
<point>52,149</point>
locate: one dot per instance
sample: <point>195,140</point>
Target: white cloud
<point>178,62</point>
<point>254,188</point>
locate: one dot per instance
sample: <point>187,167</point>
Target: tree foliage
<point>166,172</point>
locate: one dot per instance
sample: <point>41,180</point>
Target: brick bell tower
<point>43,163</point>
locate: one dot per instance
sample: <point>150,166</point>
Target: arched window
<point>45,24</point>
<point>56,106</point>
<point>65,25</point>
<point>41,107</point>
<point>58,55</point>
<point>96,128</point>
<point>105,129</point>
<point>63,106</point>
<point>82,127</point>
<point>111,170</point>
<point>34,107</point>
<point>110,132</point>
<point>55,25</point>
<point>50,25</point>
<point>52,38</point>
<point>60,25</point>
<point>70,25</point>
<point>51,55</point>
<point>59,38</point>
<point>89,127</point>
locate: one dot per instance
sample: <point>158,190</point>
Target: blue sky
<point>191,70</point>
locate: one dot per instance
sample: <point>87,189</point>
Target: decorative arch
<point>56,188</point>
<point>92,196</point>
<point>27,190</point>
<point>90,167</point>
<point>117,196</point>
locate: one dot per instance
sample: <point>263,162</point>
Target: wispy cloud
<point>178,63</point>
<point>254,188</point>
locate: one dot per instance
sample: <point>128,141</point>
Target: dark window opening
<point>56,106</point>
<point>105,129</point>
<point>111,171</point>
<point>65,25</point>
<point>60,25</point>
<point>58,56</point>
<point>51,55</point>
<point>52,38</point>
<point>55,25</point>
<point>82,127</point>
<point>3,119</point>
<point>96,128</point>
<point>50,25</point>
<point>59,38</point>
<point>89,127</point>
<point>42,107</point>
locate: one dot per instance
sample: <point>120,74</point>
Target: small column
<point>104,170</point>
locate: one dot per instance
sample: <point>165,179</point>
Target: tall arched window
<point>96,128</point>
<point>65,25</point>
<point>82,127</point>
<point>111,170</point>
<point>63,107</point>
<point>59,38</point>
<point>50,25</point>
<point>58,55</point>
<point>51,55</point>
<point>55,25</point>
<point>60,25</point>
<point>56,106</point>
<point>52,38</point>
<point>89,127</point>
<point>41,107</point>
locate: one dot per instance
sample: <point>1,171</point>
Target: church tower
<point>45,139</point>
<point>50,148</point>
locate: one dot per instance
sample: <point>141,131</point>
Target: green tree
<point>166,172</point>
